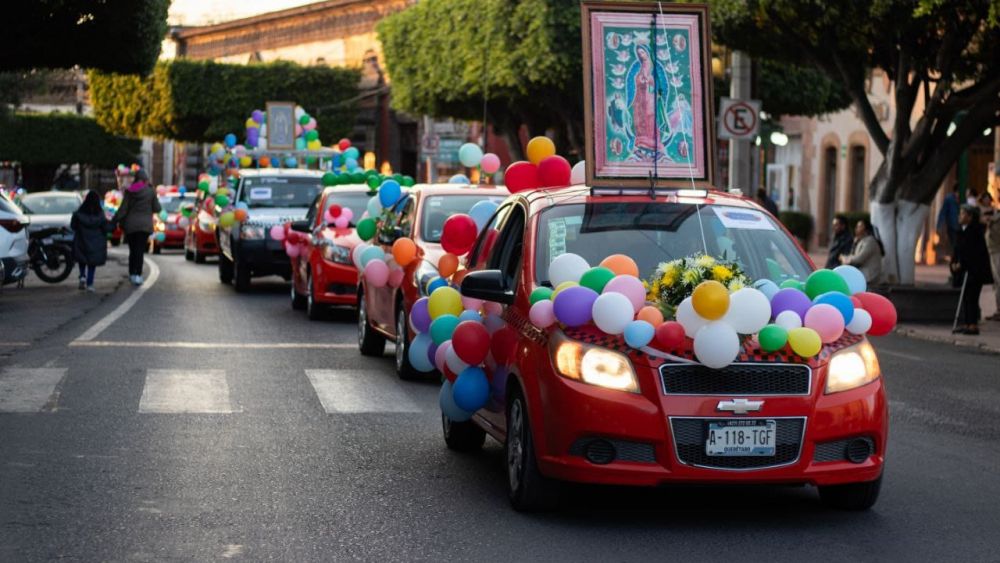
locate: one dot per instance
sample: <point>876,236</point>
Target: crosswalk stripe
<point>186,391</point>
<point>28,389</point>
<point>353,391</point>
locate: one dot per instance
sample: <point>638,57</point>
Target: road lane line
<point>354,391</point>
<point>900,355</point>
<point>137,293</point>
<point>169,391</point>
<point>213,345</point>
<point>28,389</point>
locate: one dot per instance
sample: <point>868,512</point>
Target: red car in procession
<point>199,239</point>
<point>580,405</point>
<point>173,232</point>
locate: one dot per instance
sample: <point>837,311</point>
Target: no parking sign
<point>739,119</point>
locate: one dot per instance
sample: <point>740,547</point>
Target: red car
<point>579,405</point>
<point>199,240</point>
<point>383,312</point>
<point>174,234</point>
<point>323,274</point>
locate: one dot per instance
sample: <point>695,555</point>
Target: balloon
<point>291,162</point>
<point>471,342</point>
<point>493,323</point>
<point>749,310</point>
<point>793,284</point>
<point>805,342</point>
<point>446,401</point>
<point>343,144</point>
<point>366,228</point>
<point>710,300</point>
<point>459,179</point>
<point>470,155</point>
<point>578,175</point>
<point>540,294</point>
<point>521,176</point>
<point>418,354</point>
<point>612,312</point>
<point>420,317</point>
<point>559,288</point>
<point>442,327</point>
<point>445,301</point>
<point>573,305</point>
<point>246,162</point>
<point>264,161</point>
<point>441,356</point>
<point>688,318</point>
<point>542,314</point>
<point>452,361</point>
<point>221,200</point>
<point>447,264</point>
<point>826,320</point>
<point>860,323</point>
<point>567,267</point>
<point>389,193</point>
<point>435,284</point>
<point>823,281</point>
<point>553,171</point>
<point>470,315</point>
<point>631,287</point>
<point>300,143</point>
<point>160,237</point>
<point>853,277</point>
<point>278,232</point>
<point>540,148</point>
<point>351,164</point>
<point>490,163</point>
<point>471,390</point>
<point>842,302</point>
<point>352,153</point>
<point>716,345</point>
<point>767,287</point>
<point>342,222</point>
<point>772,338</point>
<point>372,253</point>
<point>471,304</point>
<point>670,335</point>
<point>356,254</point>
<point>596,278</point>
<point>374,207</point>
<point>292,250</point>
<point>377,273</point>
<point>788,320</point>
<point>503,345</point>
<point>230,140</point>
<point>639,334</point>
<point>621,265</point>
<point>407,181</point>
<point>329,179</point>
<point>404,251</point>
<point>882,311</point>
<point>651,315</point>
<point>226,219</point>
<point>481,213</point>
<point>458,234</point>
<point>790,299</point>
<point>240,215</point>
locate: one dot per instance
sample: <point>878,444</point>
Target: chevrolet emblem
<point>739,406</point>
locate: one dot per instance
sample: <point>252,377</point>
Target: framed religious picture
<point>648,94</point>
<point>280,125</point>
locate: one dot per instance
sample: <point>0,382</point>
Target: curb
<point>922,335</point>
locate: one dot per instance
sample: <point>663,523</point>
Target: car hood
<point>275,216</point>
<point>348,238</point>
<point>43,221</point>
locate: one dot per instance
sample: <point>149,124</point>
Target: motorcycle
<point>50,253</point>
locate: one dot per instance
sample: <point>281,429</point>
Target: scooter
<point>50,253</point>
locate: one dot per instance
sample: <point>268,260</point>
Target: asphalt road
<point>303,450</point>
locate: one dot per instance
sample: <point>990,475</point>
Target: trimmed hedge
<point>62,138</point>
<point>799,224</point>
<point>202,101</point>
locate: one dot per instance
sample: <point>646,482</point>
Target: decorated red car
<point>171,221</point>
<point>199,238</point>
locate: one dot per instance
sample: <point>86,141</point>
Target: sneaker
<point>138,280</point>
<point>134,280</point>
<point>90,289</point>
<point>83,283</point>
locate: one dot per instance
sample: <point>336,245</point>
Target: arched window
<point>856,201</point>
<point>829,198</point>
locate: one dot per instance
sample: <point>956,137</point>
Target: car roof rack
<point>637,190</point>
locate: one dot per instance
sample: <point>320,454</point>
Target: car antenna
<point>654,174</point>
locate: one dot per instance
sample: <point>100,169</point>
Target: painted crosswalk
<point>186,391</point>
<point>28,390</point>
<point>358,391</point>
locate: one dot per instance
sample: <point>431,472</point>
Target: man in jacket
<point>841,244</point>
<point>972,265</point>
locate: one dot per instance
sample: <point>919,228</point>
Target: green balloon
<point>366,228</point>
<point>304,120</point>
<point>221,200</point>
<point>204,185</point>
<point>540,294</point>
<point>374,182</point>
<point>371,172</point>
<point>407,181</point>
<point>358,178</point>
<point>398,177</point>
<point>596,278</point>
<point>312,135</point>
<point>772,338</point>
<point>329,179</point>
<point>824,281</point>
<point>442,328</point>
<point>310,160</point>
<point>790,283</point>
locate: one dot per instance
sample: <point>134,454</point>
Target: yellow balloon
<point>227,219</point>
<point>216,147</point>
<point>222,191</point>
<point>562,286</point>
<point>314,145</point>
<point>246,161</point>
<point>804,342</point>
<point>539,148</point>
<point>710,300</point>
<point>445,301</point>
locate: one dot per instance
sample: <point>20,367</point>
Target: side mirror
<point>390,237</point>
<point>487,285</point>
<point>300,226</point>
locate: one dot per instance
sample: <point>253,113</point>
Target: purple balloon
<point>573,305</point>
<point>257,116</point>
<point>253,135</point>
<point>432,352</point>
<point>420,316</point>
<point>790,299</point>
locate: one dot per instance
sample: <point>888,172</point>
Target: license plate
<point>47,241</point>
<point>741,438</point>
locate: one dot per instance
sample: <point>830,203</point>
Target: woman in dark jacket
<point>90,238</point>
<point>971,264</point>
<point>136,216</point>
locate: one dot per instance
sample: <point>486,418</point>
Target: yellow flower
<point>705,261</point>
<point>736,285</point>
<point>721,273</point>
<point>691,277</point>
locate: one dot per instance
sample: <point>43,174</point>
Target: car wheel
<point>404,369</point>
<point>199,258</point>
<point>188,255</point>
<point>370,343</point>
<point>157,249</point>
<point>854,496</point>
<point>527,489</point>
<point>315,311</point>
<point>462,436</point>
<point>225,269</point>
<point>298,300</point>
<point>241,276</point>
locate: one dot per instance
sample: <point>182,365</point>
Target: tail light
<point>12,225</point>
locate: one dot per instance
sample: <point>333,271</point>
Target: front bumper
<point>335,284</point>
<point>265,257</point>
<point>173,239</point>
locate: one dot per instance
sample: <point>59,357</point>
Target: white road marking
<point>900,355</point>
<point>212,345</point>
<point>137,293</point>
<point>354,391</point>
<point>14,344</point>
<point>186,391</point>
<point>28,389</point>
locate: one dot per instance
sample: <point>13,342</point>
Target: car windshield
<point>173,204</point>
<point>273,191</point>
<point>50,204</point>
<point>356,202</point>
<point>438,208</point>
<point>656,232</point>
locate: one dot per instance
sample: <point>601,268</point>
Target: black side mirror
<point>488,285</point>
<point>300,226</point>
<point>391,236</point>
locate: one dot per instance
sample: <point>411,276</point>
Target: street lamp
<point>779,139</point>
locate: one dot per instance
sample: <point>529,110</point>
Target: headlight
<point>252,232</point>
<point>852,367</point>
<point>159,226</point>
<point>425,273</point>
<point>337,253</point>
<point>593,364</point>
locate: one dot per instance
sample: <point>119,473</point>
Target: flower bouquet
<point>675,280</point>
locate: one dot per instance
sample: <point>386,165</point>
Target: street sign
<point>739,119</point>
<point>430,144</point>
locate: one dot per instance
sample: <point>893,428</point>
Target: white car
<point>13,242</point>
<point>50,209</point>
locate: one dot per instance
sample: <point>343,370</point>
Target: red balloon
<point>520,176</point>
<point>450,375</point>
<point>344,144</point>
<point>882,310</point>
<point>857,302</point>
<point>554,171</point>
<point>471,342</point>
<point>459,234</point>
<point>335,210</point>
<point>670,335</point>
<point>502,345</point>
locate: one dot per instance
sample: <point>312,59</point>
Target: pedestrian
<point>766,202</point>
<point>993,246</point>
<point>866,253</point>
<point>841,244</point>
<point>90,238</point>
<point>948,217</point>
<point>135,214</point>
<point>972,265</point>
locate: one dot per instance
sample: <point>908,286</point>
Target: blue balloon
<point>459,179</point>
<point>767,287</point>
<point>374,207</point>
<point>639,334</point>
<point>482,211</point>
<point>182,190</point>
<point>471,390</point>
<point>419,358</point>
<point>291,162</point>
<point>842,302</point>
<point>854,277</point>
<point>371,253</point>
<point>435,284</point>
<point>470,316</point>
<point>242,205</point>
<point>230,140</point>
<point>389,193</point>
<point>351,164</point>
<point>448,407</point>
<point>352,153</point>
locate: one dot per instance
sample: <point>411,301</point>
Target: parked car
<point>199,238</point>
<point>13,241</point>
<point>323,274</point>
<point>383,312</point>
<point>171,202</point>
<point>274,197</point>
<point>579,405</point>
<point>50,209</point>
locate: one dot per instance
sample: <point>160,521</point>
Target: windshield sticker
<point>746,219</point>
<point>557,238</point>
<point>260,193</point>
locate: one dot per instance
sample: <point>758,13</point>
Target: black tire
<point>199,258</point>
<point>462,436</point>
<point>157,249</point>
<point>241,276</point>
<point>401,347</point>
<point>298,300</point>
<point>315,311</point>
<point>188,255</point>
<point>855,496</point>
<point>370,343</point>
<point>58,265</point>
<point>225,269</point>
<point>527,489</point>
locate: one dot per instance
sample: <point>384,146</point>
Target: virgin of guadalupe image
<point>649,129</point>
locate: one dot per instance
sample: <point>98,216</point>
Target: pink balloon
<point>377,273</point>
<point>292,250</point>
<point>341,222</point>
<point>471,304</point>
<point>278,232</point>
<point>346,212</point>
<point>298,130</point>
<point>630,287</point>
<point>311,125</point>
<point>490,163</point>
<point>492,308</point>
<point>330,218</point>
<point>542,314</point>
<point>441,355</point>
<point>395,277</point>
<point>826,320</point>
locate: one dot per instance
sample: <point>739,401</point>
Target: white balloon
<point>455,364</point>
<point>860,323</point>
<point>567,267</point>
<point>612,312</point>
<point>262,143</point>
<point>749,311</point>
<point>716,345</point>
<point>356,254</point>
<point>854,277</point>
<point>578,174</point>
<point>689,319</point>
<point>788,320</point>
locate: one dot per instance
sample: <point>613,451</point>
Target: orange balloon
<point>651,315</point>
<point>621,265</point>
<point>447,265</point>
<point>404,251</point>
<point>240,214</point>
<point>458,277</point>
<point>264,162</point>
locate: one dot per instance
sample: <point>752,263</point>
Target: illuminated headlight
<point>252,232</point>
<point>159,226</point>
<point>852,367</point>
<point>336,253</point>
<point>593,364</point>
<point>425,273</point>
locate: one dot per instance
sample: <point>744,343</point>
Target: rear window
<point>50,204</point>
<point>265,191</point>
<point>173,204</point>
<point>437,209</point>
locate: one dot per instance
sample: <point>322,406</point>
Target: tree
<point>943,58</point>
<point>202,101</point>
<point>112,35</point>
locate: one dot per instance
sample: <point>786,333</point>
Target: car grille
<point>689,442</point>
<point>736,379</point>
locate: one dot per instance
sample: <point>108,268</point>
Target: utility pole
<point>739,150</point>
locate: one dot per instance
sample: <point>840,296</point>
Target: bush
<point>62,138</point>
<point>799,224</point>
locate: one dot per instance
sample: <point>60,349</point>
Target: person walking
<point>135,214</point>
<point>972,265</point>
<point>90,238</point>
<point>866,253</point>
<point>842,242</point>
<point>948,217</point>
